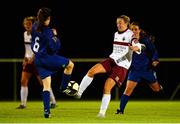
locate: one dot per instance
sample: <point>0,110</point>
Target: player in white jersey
<point>116,66</point>
<point>28,65</point>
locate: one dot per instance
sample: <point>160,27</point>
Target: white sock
<point>52,97</point>
<point>24,94</point>
<point>104,104</point>
<point>86,81</point>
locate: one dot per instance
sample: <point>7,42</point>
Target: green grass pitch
<point>85,112</point>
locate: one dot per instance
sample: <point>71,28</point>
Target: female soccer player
<point>116,65</point>
<point>45,45</point>
<point>28,65</point>
<point>141,67</point>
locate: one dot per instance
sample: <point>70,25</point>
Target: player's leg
<point>156,87</point>
<point>88,78</point>
<point>152,78</point>
<point>101,67</point>
<point>66,75</point>
<point>24,88</point>
<point>109,84</point>
<point>46,95</point>
<point>132,79</point>
<point>117,76</point>
<point>130,85</point>
<point>39,80</point>
<point>52,97</point>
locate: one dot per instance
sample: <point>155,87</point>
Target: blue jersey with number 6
<point>45,47</point>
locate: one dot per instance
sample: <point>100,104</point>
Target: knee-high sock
<point>123,101</point>
<point>52,97</point>
<point>104,104</point>
<point>46,100</point>
<point>86,81</point>
<point>24,94</point>
<point>64,81</point>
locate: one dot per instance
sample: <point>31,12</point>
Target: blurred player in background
<point>116,66</point>
<point>28,65</point>
<point>45,45</point>
<point>142,66</point>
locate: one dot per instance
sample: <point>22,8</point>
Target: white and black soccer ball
<point>73,85</point>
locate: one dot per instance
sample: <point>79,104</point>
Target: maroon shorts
<point>117,73</point>
<point>30,68</point>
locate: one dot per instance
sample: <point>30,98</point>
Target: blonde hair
<point>126,19</point>
<point>29,18</point>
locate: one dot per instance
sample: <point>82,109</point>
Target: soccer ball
<point>73,85</point>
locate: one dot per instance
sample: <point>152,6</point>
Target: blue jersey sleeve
<point>53,42</point>
<point>152,51</point>
<point>155,56</point>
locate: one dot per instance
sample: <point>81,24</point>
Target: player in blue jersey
<point>142,66</point>
<point>28,65</point>
<point>45,45</point>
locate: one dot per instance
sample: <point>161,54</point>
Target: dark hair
<point>143,33</point>
<point>42,16</point>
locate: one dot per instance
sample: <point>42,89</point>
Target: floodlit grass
<point>86,111</point>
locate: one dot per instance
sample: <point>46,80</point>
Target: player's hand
<point>55,34</point>
<point>155,63</point>
<point>30,60</point>
<point>24,63</point>
<point>54,31</point>
<point>134,48</point>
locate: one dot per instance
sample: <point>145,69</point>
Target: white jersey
<point>27,42</point>
<point>122,54</point>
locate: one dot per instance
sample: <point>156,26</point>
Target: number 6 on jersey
<point>36,45</point>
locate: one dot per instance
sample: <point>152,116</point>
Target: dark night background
<point>86,30</point>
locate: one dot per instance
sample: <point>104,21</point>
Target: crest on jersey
<point>123,38</point>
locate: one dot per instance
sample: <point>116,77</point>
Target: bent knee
<point>70,65</point>
<point>91,73</point>
<point>156,89</point>
<point>24,82</point>
<point>69,68</point>
<point>128,91</point>
<point>107,90</point>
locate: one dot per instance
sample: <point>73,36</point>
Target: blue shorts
<point>139,76</point>
<point>49,65</point>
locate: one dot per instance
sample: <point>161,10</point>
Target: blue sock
<point>46,100</point>
<point>123,102</point>
<point>64,81</point>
